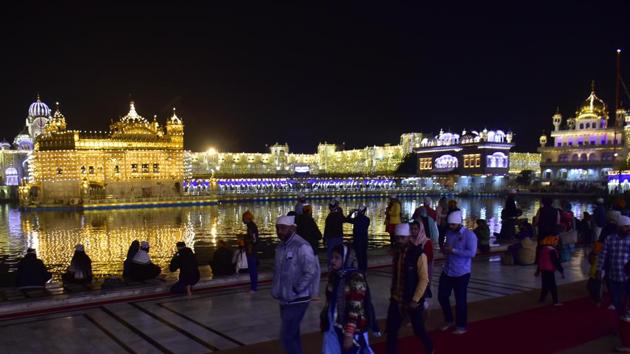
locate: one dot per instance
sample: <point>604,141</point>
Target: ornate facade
<point>585,147</point>
<point>474,161</point>
<point>329,160</point>
<point>136,159</point>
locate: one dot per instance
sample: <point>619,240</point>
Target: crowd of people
<point>348,314</point>
<point>32,273</point>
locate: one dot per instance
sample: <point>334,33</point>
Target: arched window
<point>446,162</point>
<point>593,157</point>
<point>497,160</point>
<point>583,157</point>
<point>575,157</point>
<point>11,177</point>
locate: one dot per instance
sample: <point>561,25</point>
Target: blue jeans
<point>395,316</point>
<point>291,316</point>
<point>460,286</point>
<point>330,244</point>
<point>253,272</point>
<point>617,293</point>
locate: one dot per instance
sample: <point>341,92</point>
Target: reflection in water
<point>107,234</point>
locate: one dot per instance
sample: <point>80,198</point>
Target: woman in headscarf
<point>80,269</point>
<point>430,226</point>
<point>345,318</point>
<point>141,267</point>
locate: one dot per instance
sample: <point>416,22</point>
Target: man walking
<point>410,284</point>
<point>295,280</point>
<point>615,255</point>
<point>459,249</point>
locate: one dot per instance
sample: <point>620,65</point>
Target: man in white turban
<point>295,281</point>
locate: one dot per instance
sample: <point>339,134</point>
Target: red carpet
<point>543,330</point>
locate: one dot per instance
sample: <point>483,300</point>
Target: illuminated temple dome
<point>592,106</point>
<point>38,109</point>
<point>133,116</point>
<point>58,121</point>
<point>134,124</point>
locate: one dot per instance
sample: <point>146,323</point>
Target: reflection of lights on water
<point>108,234</point>
<point>32,241</point>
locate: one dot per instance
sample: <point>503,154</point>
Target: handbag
<point>241,260</point>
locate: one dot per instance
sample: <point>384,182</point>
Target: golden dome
<point>543,139</point>
<point>593,105</point>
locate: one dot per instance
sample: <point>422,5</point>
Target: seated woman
<point>525,230</point>
<point>221,263</point>
<point>482,231</point>
<point>80,269</point>
<point>140,267</point>
<point>524,251</point>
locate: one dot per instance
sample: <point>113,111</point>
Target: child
<point>483,236</point>
<point>548,263</point>
<point>594,284</point>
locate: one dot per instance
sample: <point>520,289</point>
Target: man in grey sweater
<point>295,280</point>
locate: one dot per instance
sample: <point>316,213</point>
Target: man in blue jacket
<point>459,249</point>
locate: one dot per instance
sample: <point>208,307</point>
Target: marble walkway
<point>222,319</point>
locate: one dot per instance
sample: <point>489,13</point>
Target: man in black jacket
<point>186,262</point>
<point>31,272</point>
<point>333,228</point>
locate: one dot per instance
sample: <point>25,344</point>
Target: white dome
<point>23,142</point>
<point>133,116</point>
<point>38,109</point>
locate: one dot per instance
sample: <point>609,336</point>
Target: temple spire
<point>132,109</point>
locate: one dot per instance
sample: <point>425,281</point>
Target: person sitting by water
<point>482,231</point>
<point>31,272</point>
<point>221,263</point>
<point>525,230</point>
<point>186,262</point>
<point>141,268</point>
<point>523,252</point>
<point>6,278</point>
<point>80,269</point>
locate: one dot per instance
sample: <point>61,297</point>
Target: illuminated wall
<point>280,162</point>
<point>520,161</point>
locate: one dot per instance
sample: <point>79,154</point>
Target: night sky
<point>246,76</point>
